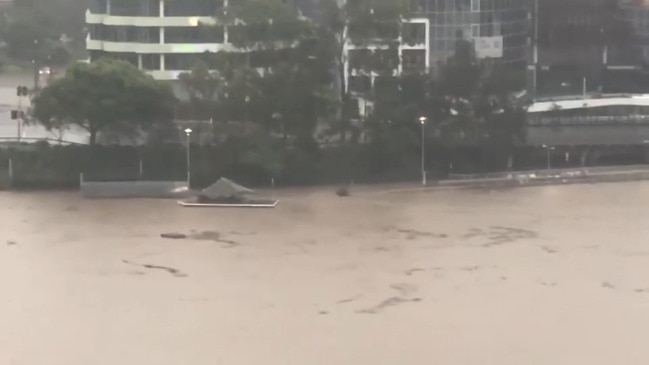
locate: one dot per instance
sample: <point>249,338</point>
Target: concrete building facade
<point>163,37</point>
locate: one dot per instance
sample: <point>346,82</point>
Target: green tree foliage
<point>467,104</point>
<point>265,25</point>
<point>374,23</point>
<point>278,77</point>
<point>105,96</point>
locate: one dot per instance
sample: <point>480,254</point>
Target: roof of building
<point>584,103</point>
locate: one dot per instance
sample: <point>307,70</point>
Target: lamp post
<point>188,132</point>
<point>422,121</point>
<point>547,154</point>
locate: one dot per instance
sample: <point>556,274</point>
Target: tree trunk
<point>343,96</point>
<point>344,104</point>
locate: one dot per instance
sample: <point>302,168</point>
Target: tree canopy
<point>279,77</point>
<point>104,96</point>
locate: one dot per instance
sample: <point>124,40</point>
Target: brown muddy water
<point>548,275</point>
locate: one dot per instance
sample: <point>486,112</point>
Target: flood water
<point>549,275</point>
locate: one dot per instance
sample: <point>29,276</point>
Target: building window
<point>181,61</point>
<point>94,31</point>
<point>98,6</point>
<point>135,8</point>
<point>192,7</point>
<point>414,60</point>
<point>475,5</point>
<point>194,34</point>
<point>129,34</point>
<point>414,33</point>
<point>360,84</point>
<point>359,59</point>
<point>150,62</point>
<point>97,55</point>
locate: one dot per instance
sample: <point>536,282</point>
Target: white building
<point>163,37</point>
<point>412,54</point>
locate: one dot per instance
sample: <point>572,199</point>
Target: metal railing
<point>576,171</point>
<point>41,139</point>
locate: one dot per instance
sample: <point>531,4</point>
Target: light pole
<point>188,132</point>
<point>422,121</point>
<point>547,154</point>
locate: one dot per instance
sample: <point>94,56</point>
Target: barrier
<point>134,189</point>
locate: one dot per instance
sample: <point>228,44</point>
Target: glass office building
<point>499,29</point>
<point>635,13</point>
<point>590,46</point>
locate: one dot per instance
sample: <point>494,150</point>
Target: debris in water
<point>171,270</point>
<point>173,236</point>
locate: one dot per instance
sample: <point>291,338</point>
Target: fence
<point>133,189</point>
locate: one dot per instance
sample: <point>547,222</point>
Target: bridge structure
<point>599,120</point>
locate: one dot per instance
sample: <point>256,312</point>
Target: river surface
<point>548,275</point>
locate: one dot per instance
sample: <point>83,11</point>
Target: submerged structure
<point>225,191</point>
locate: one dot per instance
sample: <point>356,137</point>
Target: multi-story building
<point>634,14</point>
<point>371,60</point>
<point>498,29</point>
<point>589,46</point>
<point>163,37</point>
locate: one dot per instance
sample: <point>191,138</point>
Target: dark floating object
<point>170,270</point>
<point>173,236</point>
<point>342,191</point>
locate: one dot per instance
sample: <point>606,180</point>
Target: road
<point>9,128</point>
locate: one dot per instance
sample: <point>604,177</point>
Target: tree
<point>105,96</point>
<point>204,88</point>
<point>370,24</point>
<point>266,26</point>
<point>277,76</point>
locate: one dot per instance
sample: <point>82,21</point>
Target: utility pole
<point>535,49</point>
<point>19,115</point>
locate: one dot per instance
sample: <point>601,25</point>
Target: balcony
<point>157,48</point>
<point>176,21</point>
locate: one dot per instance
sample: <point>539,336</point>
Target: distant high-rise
<point>589,46</point>
<point>498,29</point>
<point>635,14</point>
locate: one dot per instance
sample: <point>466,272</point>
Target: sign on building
<point>488,47</point>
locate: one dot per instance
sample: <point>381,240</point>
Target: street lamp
<point>547,152</point>
<point>422,121</point>
<point>188,132</point>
